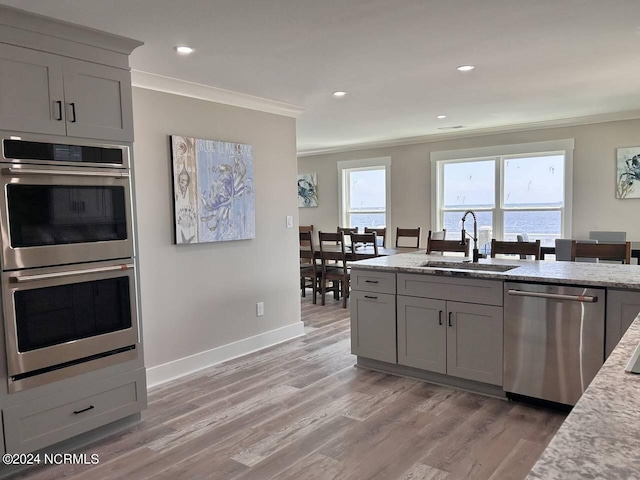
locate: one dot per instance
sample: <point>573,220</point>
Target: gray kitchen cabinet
<point>459,339</point>
<point>31,91</point>
<point>46,420</point>
<point>373,325</point>
<point>373,315</point>
<point>474,342</point>
<point>46,93</point>
<point>622,308</point>
<point>422,333</point>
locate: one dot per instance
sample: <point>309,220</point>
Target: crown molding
<point>160,83</point>
<point>479,132</point>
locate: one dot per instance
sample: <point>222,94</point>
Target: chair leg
<point>314,286</point>
<point>323,289</point>
<point>303,286</point>
<point>345,288</point>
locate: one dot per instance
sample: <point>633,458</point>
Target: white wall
<point>594,178</point>
<point>199,299</point>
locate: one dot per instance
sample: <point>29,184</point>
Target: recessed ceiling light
<point>183,49</point>
<point>465,68</point>
<point>339,93</point>
<point>441,117</point>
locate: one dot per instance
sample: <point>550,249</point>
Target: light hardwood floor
<point>301,411</point>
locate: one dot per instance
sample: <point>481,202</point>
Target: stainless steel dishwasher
<point>553,340</point>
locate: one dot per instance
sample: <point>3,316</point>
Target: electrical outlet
<point>259,309</point>
<point>289,221</point>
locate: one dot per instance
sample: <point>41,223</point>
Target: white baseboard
<point>183,366</point>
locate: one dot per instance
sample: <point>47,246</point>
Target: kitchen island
<point>448,321</point>
<point>601,436</point>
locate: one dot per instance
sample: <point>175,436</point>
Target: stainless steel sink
<point>484,267</point>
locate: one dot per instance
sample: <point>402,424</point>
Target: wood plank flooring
<point>301,411</point>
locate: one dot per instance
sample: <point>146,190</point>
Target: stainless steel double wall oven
<point>68,271</point>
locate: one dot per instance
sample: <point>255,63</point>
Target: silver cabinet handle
<point>70,173</point>
<point>554,296</point>
<point>72,273</point>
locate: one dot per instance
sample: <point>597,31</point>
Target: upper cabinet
<point>63,79</point>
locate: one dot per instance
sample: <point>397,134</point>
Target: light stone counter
<point>594,274</point>
<point>600,439</point>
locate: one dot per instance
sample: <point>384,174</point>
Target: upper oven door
<point>56,216</point>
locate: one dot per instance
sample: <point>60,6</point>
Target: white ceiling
<point>537,60</point>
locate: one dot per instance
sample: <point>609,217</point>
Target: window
<point>364,193</point>
<point>512,189</point>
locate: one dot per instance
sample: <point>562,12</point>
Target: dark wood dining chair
<point>368,241</point>
<point>310,272</point>
<point>411,233</point>
<point>517,248</point>
<point>604,251</point>
<point>381,234</point>
<point>305,228</point>
<point>437,235</point>
<point>447,246</point>
<point>333,249</point>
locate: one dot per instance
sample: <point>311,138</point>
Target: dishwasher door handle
<point>554,296</point>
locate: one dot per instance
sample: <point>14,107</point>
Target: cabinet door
<point>422,333</point>
<point>98,101</point>
<point>31,92</point>
<point>622,309</point>
<point>373,325</point>
<point>474,342</point>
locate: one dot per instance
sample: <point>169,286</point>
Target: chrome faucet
<point>463,241</point>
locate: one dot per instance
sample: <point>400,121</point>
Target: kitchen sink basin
<point>483,267</point>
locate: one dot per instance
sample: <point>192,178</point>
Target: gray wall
<point>199,297</point>
<point>594,178</point>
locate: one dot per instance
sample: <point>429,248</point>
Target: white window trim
<point>364,164</point>
<point>565,146</point>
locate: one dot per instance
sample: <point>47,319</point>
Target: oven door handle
<point>73,273</point>
<point>71,173</point>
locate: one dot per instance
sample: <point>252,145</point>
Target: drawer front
<point>469,290</point>
<point>53,418</point>
<point>373,326</point>
<point>372,281</point>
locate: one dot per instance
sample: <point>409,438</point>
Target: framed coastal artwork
<point>307,190</point>
<point>213,191</point>
<point>628,172</point>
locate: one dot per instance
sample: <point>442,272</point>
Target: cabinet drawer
<point>469,290</point>
<point>373,326</point>
<point>53,418</point>
<point>372,281</point>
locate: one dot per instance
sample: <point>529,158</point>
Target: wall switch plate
<point>289,221</point>
<point>259,309</point>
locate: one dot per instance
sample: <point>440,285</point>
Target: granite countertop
<point>600,439</point>
<point>595,274</point>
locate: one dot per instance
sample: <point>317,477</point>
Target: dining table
<point>362,252</point>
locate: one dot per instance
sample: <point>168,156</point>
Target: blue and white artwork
<point>213,190</point>
<point>307,190</point>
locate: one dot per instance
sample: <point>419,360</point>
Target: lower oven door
<point>62,316</point>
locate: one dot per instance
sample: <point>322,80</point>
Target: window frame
<point>499,154</point>
<point>348,166</point>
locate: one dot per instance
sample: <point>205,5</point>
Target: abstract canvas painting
<point>214,198</point>
<point>307,190</point>
<point>628,173</point>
